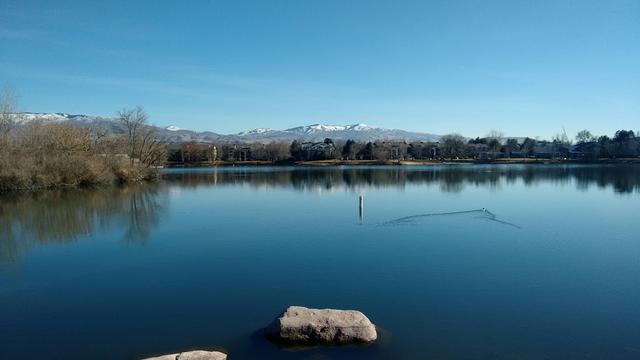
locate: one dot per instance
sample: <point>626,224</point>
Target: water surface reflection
<point>55,217</point>
<point>51,217</point>
<point>207,257</point>
<point>450,178</point>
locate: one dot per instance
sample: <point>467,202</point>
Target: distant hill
<point>316,132</point>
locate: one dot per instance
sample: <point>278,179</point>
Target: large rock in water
<point>301,325</point>
<point>193,355</point>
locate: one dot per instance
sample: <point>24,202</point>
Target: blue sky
<point>521,67</point>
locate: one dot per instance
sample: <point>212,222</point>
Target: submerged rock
<point>193,355</point>
<point>301,325</point>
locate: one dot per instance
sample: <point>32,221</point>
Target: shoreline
<point>325,164</point>
<point>322,163</point>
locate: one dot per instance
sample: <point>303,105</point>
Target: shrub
<point>42,155</point>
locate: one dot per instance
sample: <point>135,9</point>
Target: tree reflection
<point>31,219</point>
<point>623,179</point>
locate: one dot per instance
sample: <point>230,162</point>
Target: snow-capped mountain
<point>28,116</point>
<point>315,132</point>
<point>358,132</point>
<point>318,132</point>
<point>310,129</point>
<point>254,131</point>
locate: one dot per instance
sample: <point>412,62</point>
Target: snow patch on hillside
<point>255,131</point>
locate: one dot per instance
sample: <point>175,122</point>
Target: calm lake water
<point>208,257</point>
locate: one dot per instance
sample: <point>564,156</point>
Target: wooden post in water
<point>361,212</point>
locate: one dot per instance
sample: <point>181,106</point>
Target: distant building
<point>490,155</point>
<point>318,150</point>
<point>550,150</point>
<point>239,153</point>
<point>584,150</point>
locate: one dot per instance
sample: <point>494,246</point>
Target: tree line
<point>586,147</point>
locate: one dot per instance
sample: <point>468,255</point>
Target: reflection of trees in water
<point>622,178</point>
<point>27,220</point>
<point>145,208</point>
<point>30,219</point>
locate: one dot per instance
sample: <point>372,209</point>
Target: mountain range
<point>316,132</point>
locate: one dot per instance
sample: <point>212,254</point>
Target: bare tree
<point>561,139</point>
<point>193,152</point>
<point>132,120</point>
<point>98,133</point>
<point>277,151</point>
<point>495,134</point>
<point>152,150</point>
<point>142,140</point>
<point>8,110</point>
<point>494,140</point>
<point>584,136</point>
<point>453,145</point>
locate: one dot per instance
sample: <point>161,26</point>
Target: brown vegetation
<point>40,155</point>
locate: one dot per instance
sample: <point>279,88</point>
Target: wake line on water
<point>482,214</point>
